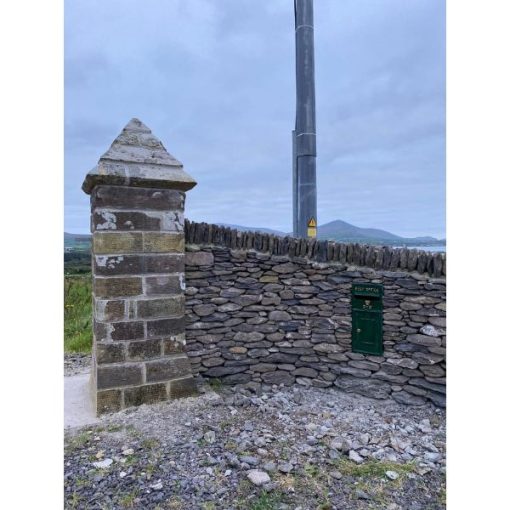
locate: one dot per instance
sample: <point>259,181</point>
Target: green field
<point>78,313</point>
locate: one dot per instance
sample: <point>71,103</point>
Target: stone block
<point>117,287</point>
<point>166,327</point>
<point>172,346</point>
<point>132,330</point>
<point>110,310</point>
<point>108,401</point>
<point>148,394</point>
<point>164,263</point>
<point>162,307</point>
<point>158,242</point>
<point>167,368</point>
<point>110,353</point>
<point>181,388</point>
<point>144,349</point>
<point>122,221</point>
<point>101,331</point>
<point>111,265</point>
<point>113,376</point>
<point>158,285</point>
<point>116,242</point>
<point>124,197</point>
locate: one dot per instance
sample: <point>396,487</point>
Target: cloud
<point>215,81</point>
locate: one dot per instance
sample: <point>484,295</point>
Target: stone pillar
<point>137,223</point>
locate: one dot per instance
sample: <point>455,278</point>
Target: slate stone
<point>200,258</point>
<point>438,399</point>
<point>222,371</point>
<point>278,377</point>
<point>356,372</point>
<point>402,397</point>
<point>279,315</point>
<point>397,379</point>
<point>253,336</point>
<point>305,372</point>
<point>422,383</point>
<point>366,387</point>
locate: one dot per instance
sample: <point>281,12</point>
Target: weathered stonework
<point>275,310</point>
<point>137,223</point>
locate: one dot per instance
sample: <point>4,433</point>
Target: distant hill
<point>343,231</point>
<point>77,241</point>
<point>339,230</point>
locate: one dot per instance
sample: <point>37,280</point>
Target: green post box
<point>367,320</point>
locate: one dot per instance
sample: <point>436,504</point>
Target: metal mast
<point>304,182</point>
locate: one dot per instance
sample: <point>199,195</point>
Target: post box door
<point>367,332</point>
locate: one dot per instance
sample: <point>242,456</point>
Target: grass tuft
<point>216,384</point>
<point>267,501</point>
<point>78,314</point>
<point>373,468</point>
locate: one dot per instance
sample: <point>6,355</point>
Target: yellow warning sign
<point>312,228</point>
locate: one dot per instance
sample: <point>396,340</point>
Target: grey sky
<point>214,80</point>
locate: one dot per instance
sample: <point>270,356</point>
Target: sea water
<point>440,248</point>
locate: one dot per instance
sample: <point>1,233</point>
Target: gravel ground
<point>76,363</point>
<point>260,448</point>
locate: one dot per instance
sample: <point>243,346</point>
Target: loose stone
<point>257,477</point>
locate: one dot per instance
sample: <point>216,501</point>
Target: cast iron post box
<point>367,320</point>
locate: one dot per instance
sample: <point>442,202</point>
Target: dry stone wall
<point>258,315</point>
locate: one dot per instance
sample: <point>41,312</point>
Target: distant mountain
<point>339,230</point>
<point>254,229</point>
<point>77,237</point>
<point>342,231</point>
<point>77,241</point>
